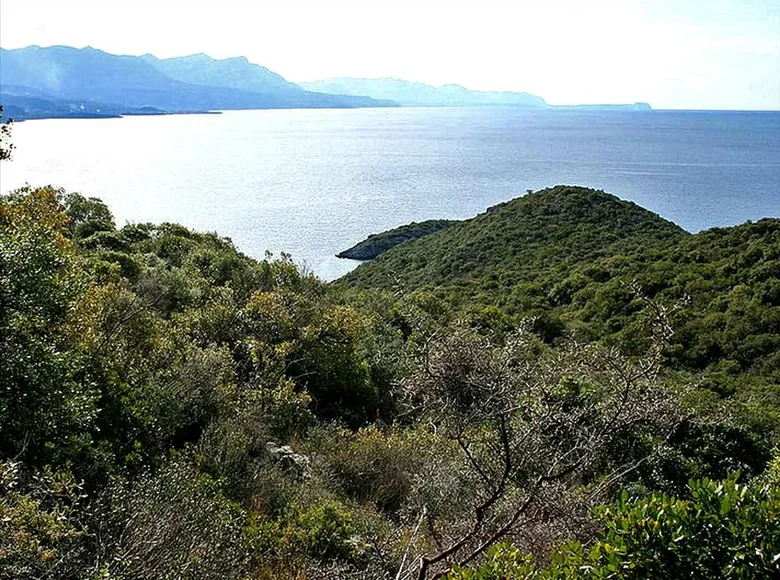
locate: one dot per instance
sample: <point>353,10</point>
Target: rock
<point>377,244</point>
<point>293,464</point>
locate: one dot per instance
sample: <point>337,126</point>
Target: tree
<point>43,401</point>
<point>5,137</point>
<point>537,429</point>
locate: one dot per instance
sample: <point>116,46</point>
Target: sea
<point>314,182</point>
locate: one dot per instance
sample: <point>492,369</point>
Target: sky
<point>674,54</point>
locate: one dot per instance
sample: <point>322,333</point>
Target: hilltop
<point>552,229</point>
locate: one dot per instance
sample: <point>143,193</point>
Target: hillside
<point>574,258</point>
<point>96,79</point>
<point>172,408</point>
<point>550,230</point>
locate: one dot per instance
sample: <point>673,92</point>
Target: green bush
<point>324,531</point>
<point>370,465</point>
<point>722,530</point>
<point>40,531</point>
<point>105,240</point>
<point>173,523</point>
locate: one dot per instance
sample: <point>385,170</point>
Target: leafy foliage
<point>155,385</point>
<point>722,530</point>
<point>39,522</point>
<point>6,147</point>
<point>573,258</point>
<point>43,402</point>
<point>174,523</point>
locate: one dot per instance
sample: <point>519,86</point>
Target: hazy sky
<point>713,54</point>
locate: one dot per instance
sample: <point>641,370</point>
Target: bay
<point>314,182</point>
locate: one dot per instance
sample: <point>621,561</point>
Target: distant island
<point>412,94</point>
<point>65,82</point>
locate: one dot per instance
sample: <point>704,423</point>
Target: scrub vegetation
<point>565,386</point>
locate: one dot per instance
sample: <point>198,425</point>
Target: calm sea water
<point>313,183</point>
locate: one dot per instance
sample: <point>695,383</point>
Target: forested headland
<point>567,386</point>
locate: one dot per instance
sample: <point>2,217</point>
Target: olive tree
<point>537,429</point>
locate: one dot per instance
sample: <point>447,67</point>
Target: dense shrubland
<point>583,263</point>
<point>152,377</point>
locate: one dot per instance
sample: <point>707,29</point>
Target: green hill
<point>543,233</point>
<point>575,259</point>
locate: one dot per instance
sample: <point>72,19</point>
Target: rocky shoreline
<point>377,244</point>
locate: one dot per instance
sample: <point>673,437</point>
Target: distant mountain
<point>411,94</point>
<point>89,77</point>
<point>235,73</point>
<point>56,81</point>
<point>636,107</point>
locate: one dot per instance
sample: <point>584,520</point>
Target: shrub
<point>39,527</point>
<point>106,240</point>
<point>722,530</point>
<point>376,466</point>
<point>171,524</point>
<point>324,531</point>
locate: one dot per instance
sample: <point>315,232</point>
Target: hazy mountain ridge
<point>235,73</point>
<point>414,94</point>
<point>423,95</point>
<point>89,77</point>
<point>56,81</point>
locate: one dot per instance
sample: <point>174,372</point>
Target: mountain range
<point>412,94</point>
<point>62,81</point>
